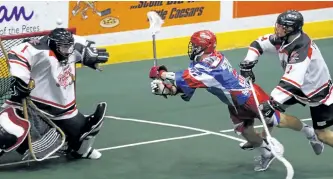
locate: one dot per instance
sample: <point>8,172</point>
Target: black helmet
<point>61,42</point>
<point>292,21</point>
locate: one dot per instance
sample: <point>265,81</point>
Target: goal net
<point>8,42</point>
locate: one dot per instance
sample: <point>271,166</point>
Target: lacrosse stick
<point>155,22</point>
<point>272,141</point>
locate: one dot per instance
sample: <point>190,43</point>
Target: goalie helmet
<point>289,23</point>
<point>61,42</point>
<point>202,42</point>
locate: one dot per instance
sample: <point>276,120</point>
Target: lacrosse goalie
<point>50,63</point>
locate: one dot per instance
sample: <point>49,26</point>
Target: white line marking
<point>25,161</point>
<point>203,132</point>
<point>177,126</point>
<point>258,126</point>
<point>154,141</point>
<point>117,147</point>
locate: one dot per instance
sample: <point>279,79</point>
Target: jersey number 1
<point>24,48</point>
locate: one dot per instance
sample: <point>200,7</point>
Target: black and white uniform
<point>54,91</point>
<point>306,77</point>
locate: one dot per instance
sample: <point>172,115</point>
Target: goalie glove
<point>159,87</point>
<point>19,89</point>
<point>92,56</point>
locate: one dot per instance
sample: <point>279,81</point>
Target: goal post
<point>8,41</point>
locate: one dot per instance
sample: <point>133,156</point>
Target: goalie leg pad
<point>95,121</point>
<point>13,129</point>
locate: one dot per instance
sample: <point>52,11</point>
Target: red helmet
<point>202,42</point>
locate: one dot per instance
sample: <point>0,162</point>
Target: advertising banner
<point>26,17</point>
<point>257,8</point>
<point>91,17</point>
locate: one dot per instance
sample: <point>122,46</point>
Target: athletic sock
<point>265,149</point>
<point>308,131</point>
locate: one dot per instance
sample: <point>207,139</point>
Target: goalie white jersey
<point>306,75</point>
<point>54,91</point>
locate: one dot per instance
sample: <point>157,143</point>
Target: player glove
<point>156,71</point>
<point>92,56</point>
<point>19,89</point>
<point>246,69</point>
<point>158,87</point>
<point>268,108</point>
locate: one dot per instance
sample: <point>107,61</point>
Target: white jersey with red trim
<point>54,91</point>
<point>306,75</point>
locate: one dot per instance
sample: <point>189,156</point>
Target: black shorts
<point>322,116</point>
<point>73,129</point>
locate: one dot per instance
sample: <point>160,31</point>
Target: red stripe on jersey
<point>20,56</point>
<point>284,91</point>
<point>329,94</point>
<point>255,50</point>
<point>20,63</point>
<point>53,103</point>
<point>70,112</point>
<point>191,81</point>
<point>310,51</point>
<point>292,82</point>
<point>52,54</point>
<point>314,92</point>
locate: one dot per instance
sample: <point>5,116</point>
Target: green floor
<point>126,88</point>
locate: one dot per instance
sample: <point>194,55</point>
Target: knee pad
<point>13,129</point>
<point>94,121</point>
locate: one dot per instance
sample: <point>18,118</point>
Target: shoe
<point>262,163</point>
<point>246,146</point>
<point>316,144</point>
<point>92,154</point>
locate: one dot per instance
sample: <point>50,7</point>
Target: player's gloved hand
<point>156,71</point>
<point>268,108</point>
<point>92,56</point>
<point>158,87</point>
<point>19,89</point>
<point>246,69</point>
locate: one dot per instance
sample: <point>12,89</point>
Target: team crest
<point>293,57</point>
<point>66,78</point>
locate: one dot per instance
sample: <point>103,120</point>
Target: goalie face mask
<point>61,42</point>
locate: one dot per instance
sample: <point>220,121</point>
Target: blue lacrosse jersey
<point>216,75</point>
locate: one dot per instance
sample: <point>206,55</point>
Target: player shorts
<point>322,116</point>
<point>244,115</point>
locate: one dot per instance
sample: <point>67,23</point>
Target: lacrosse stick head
<point>155,22</point>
